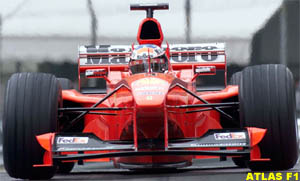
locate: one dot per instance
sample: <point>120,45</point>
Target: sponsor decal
<point>149,88</point>
<point>218,144</point>
<point>92,148</point>
<point>149,82</point>
<point>105,49</point>
<point>174,58</point>
<point>193,48</point>
<point>230,136</point>
<point>119,54</point>
<point>149,93</point>
<point>105,60</point>
<point>86,148</point>
<point>278,176</point>
<point>174,47</point>
<point>193,58</point>
<point>72,140</point>
<point>210,55</point>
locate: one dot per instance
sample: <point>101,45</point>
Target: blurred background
<point>43,36</point>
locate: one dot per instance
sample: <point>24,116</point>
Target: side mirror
<point>204,70</point>
<point>97,73</point>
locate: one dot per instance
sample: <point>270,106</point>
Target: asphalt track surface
<point>206,170</point>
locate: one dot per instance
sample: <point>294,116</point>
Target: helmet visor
<point>159,64</point>
<point>138,66</point>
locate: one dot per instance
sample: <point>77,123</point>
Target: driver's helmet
<point>148,55</point>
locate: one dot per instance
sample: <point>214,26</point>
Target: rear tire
<point>30,109</point>
<point>267,100</point>
<point>65,83</point>
<point>235,78</point>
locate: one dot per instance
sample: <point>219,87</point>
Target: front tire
<point>267,100</point>
<point>64,167</point>
<point>30,109</point>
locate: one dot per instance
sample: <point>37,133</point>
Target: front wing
<point>84,146</point>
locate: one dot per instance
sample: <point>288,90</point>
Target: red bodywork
<point>148,99</point>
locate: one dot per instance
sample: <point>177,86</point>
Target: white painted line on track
<point>298,127</point>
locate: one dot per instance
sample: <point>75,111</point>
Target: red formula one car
<point>150,106</point>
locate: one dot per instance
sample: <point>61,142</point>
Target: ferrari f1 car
<point>150,105</point>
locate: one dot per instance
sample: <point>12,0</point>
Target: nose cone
<point>149,91</point>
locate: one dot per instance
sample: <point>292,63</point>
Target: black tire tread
<point>267,100</point>
<point>65,167</point>
<point>65,83</point>
<point>30,109</point>
<point>235,78</point>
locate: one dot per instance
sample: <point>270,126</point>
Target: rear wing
<point>202,59</point>
<point>184,56</point>
<point>116,57</point>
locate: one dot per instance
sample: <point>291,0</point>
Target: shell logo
<point>149,91</point>
<point>149,82</point>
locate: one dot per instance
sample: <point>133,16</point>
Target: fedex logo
<point>230,136</point>
<point>72,140</point>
